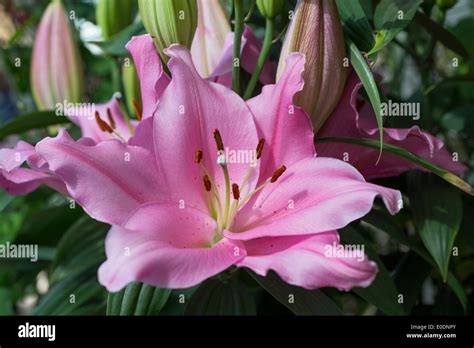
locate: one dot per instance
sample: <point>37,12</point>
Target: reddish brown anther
<point>277,174</point>
<point>104,127</point>
<point>198,156</point>
<point>236,191</point>
<point>111,119</point>
<point>218,138</point>
<point>260,145</point>
<point>207,183</point>
<point>138,110</point>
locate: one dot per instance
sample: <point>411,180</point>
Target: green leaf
<point>410,275</point>
<point>365,75</point>
<point>6,301</point>
<point>401,152</point>
<point>33,120</point>
<point>215,297</point>
<point>115,46</point>
<point>356,24</point>
<point>73,273</point>
<point>382,293</point>
<point>304,302</point>
<point>137,299</point>
<point>441,34</point>
<point>390,18</point>
<point>437,210</point>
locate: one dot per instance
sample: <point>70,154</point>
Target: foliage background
<point>414,249</point>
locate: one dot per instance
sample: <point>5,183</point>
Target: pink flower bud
<point>56,73</point>
<point>316,31</point>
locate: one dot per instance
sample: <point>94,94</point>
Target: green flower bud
<point>445,4</point>
<point>169,22</point>
<point>270,8</point>
<point>131,85</point>
<point>113,15</point>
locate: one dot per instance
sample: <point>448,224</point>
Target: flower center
<point>224,210</point>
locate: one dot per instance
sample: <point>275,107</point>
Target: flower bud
<point>445,4</point>
<point>316,31</point>
<point>270,8</point>
<point>131,85</point>
<point>169,22</point>
<point>56,72</point>
<point>113,15</point>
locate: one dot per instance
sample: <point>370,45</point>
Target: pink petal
<point>85,119</point>
<point>153,79</point>
<point>309,261</point>
<point>22,181</point>
<point>287,130</point>
<point>250,50</point>
<point>347,121</point>
<point>314,195</point>
<point>189,111</point>
<point>109,180</point>
<point>167,247</point>
<point>11,159</point>
<point>211,33</point>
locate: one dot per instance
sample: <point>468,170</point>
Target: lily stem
<point>267,45</point>
<point>238,30</point>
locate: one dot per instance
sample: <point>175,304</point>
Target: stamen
<point>111,119</point>
<point>138,110</point>
<point>207,183</point>
<point>218,138</point>
<point>198,156</point>
<point>260,145</point>
<point>104,127</point>
<point>236,191</point>
<point>277,174</point>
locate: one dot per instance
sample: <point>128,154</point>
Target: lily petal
<point>286,128</point>
<point>22,181</point>
<point>348,121</point>
<point>310,261</point>
<point>153,79</point>
<point>189,111</point>
<point>109,180</point>
<point>314,195</point>
<point>167,247</point>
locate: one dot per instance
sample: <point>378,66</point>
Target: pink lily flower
<point>17,180</point>
<point>354,119</point>
<point>183,209</point>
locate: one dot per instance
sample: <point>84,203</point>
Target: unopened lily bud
<point>270,8</point>
<point>113,15</point>
<point>169,22</point>
<point>131,85</point>
<point>56,71</point>
<point>316,31</point>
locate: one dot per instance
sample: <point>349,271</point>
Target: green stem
<point>267,44</point>
<point>238,30</point>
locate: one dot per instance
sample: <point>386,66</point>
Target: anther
<point>218,138</point>
<point>138,110</point>
<point>104,127</point>
<point>207,183</point>
<point>236,191</point>
<point>260,145</point>
<point>198,156</point>
<point>111,119</point>
<point>277,174</point>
